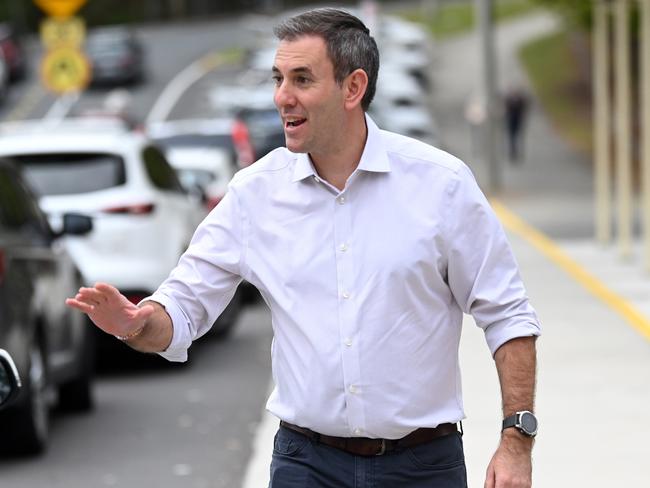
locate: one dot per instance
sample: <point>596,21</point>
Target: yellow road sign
<point>57,32</point>
<point>59,8</point>
<point>65,69</point>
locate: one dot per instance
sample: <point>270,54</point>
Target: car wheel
<point>25,429</point>
<point>76,395</point>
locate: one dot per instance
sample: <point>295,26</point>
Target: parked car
<point>50,343</point>
<point>4,79</point>
<point>143,218</point>
<point>9,379</point>
<point>116,55</point>
<point>12,52</point>
<point>204,156</point>
<point>227,134</point>
<point>265,128</point>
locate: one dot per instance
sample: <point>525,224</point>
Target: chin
<point>295,147</point>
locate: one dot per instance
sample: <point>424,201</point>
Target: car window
<point>73,173</point>
<point>191,178</point>
<point>18,208</point>
<point>196,140</point>
<point>161,174</point>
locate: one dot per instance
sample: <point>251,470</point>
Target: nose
<point>283,96</point>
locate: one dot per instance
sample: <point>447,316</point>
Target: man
<point>515,104</point>
<point>367,246</point>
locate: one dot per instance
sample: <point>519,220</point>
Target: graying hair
<point>349,43</point>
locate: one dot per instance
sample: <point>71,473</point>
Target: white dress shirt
<point>366,286</point>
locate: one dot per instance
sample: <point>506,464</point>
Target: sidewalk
<point>594,359</point>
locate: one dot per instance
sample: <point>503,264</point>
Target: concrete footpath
<point>594,356</point>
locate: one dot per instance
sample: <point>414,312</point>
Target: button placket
<point>343,209</point>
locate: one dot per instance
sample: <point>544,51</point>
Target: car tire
<point>25,428</point>
<point>76,395</point>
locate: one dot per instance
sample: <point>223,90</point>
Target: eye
<point>302,80</point>
<point>277,80</point>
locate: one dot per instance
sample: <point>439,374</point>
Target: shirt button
<point>348,341</point>
<point>352,389</point>
<point>341,200</point>
<point>343,247</point>
<point>357,431</point>
<point>346,295</point>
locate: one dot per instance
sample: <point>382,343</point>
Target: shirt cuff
<point>181,341</point>
<point>498,334</point>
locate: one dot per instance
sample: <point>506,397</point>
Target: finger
<point>111,293</point>
<point>107,289</point>
<point>84,307</point>
<point>92,295</point>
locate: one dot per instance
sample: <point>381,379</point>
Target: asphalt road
<point>155,423</point>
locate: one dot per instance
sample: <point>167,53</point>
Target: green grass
<point>557,83</point>
<point>454,18</point>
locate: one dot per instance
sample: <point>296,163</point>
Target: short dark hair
<point>349,43</point>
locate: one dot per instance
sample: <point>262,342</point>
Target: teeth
<point>294,122</point>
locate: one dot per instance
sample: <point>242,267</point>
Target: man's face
<point>308,98</point>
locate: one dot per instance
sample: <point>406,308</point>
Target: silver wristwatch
<point>524,421</point>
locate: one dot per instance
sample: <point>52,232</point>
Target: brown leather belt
<point>365,446</point>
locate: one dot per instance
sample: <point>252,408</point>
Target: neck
<point>336,166</point>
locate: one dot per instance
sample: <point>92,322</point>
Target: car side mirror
<point>196,191</point>
<point>9,379</point>
<point>76,224</point>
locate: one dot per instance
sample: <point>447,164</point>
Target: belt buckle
<point>382,448</point>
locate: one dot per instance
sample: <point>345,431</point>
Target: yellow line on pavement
<point>551,250</point>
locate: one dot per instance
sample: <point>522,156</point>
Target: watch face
<point>528,422</point>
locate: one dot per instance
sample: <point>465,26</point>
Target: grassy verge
<point>450,19</point>
<point>565,97</point>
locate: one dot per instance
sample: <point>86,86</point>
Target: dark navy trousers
<point>299,462</point>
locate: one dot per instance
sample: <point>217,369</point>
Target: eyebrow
<point>298,70</point>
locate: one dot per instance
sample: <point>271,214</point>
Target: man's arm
<point>511,465</point>
<point>147,328</point>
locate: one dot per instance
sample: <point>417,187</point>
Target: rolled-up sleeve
<point>200,287</point>
<point>482,271</point>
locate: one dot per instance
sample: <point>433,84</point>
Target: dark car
<point>12,52</point>
<point>265,129</point>
<point>9,379</point>
<point>116,56</point>
<point>50,343</point>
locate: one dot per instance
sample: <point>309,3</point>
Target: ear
<point>355,86</point>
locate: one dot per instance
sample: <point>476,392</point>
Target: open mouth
<point>295,123</point>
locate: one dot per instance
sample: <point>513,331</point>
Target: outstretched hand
<point>109,309</point>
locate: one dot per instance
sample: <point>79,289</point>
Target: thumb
<point>490,478</point>
<point>144,312</point>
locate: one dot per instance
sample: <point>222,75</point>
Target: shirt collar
<point>374,157</point>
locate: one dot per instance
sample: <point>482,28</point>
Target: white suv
<point>143,219</point>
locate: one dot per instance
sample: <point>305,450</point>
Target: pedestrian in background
<point>368,247</point>
<point>515,111</point>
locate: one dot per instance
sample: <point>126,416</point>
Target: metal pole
<point>483,9</point>
<point>623,126</point>
<point>645,121</point>
<point>602,140</point>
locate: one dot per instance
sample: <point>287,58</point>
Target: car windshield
<point>64,174</point>
<point>195,177</point>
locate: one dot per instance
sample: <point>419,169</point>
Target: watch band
<point>510,421</point>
